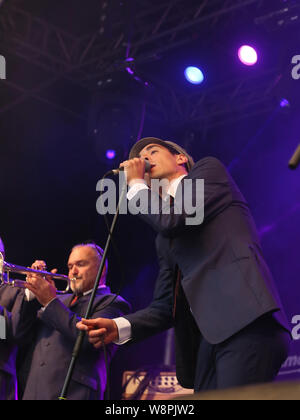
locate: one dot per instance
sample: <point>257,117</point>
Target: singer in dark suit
<point>214,285</point>
<point>51,324</point>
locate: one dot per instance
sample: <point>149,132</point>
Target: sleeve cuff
<point>136,185</point>
<point>124,328</point>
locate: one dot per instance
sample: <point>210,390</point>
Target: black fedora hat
<point>172,147</point>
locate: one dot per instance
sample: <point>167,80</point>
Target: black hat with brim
<point>172,147</point>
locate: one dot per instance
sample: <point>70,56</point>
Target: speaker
<point>143,385</point>
<point>279,391</point>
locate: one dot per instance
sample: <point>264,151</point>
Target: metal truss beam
<point>155,28</point>
<point>226,102</point>
<point>155,31</point>
<point>45,43</point>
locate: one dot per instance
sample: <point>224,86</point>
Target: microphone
<point>295,160</point>
<point>117,171</point>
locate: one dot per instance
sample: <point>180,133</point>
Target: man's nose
<point>74,272</point>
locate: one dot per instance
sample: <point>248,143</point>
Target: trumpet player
<point>10,301</point>
<point>50,321</point>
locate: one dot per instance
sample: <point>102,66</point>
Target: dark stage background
<point>68,97</point>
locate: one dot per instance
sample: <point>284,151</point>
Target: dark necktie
<point>171,200</point>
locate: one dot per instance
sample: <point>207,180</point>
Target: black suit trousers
<point>252,356</point>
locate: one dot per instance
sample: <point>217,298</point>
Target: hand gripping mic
<point>117,171</point>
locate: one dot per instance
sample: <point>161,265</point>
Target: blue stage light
<point>194,75</point>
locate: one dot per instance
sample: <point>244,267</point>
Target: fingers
<point>99,331</point>
<point>82,326</point>
<point>89,325</point>
<point>134,169</point>
<point>39,265</point>
<point>94,323</point>
<point>135,165</point>
<point>96,334</point>
<point>95,337</point>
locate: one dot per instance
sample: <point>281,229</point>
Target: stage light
<point>110,154</point>
<point>194,75</point>
<point>248,55</point>
<point>284,103</point>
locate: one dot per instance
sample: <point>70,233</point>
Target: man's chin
<point>76,289</point>
<point>157,175</point>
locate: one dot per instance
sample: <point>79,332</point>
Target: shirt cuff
<point>136,185</point>
<point>46,306</point>
<point>124,328</point>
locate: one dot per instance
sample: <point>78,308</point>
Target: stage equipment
<point>6,269</point>
<point>152,385</point>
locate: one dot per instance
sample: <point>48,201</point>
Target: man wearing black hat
<point>214,285</point>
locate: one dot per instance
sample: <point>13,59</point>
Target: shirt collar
<point>102,286</point>
<point>173,187</point>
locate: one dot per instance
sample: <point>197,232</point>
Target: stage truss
<point>149,30</point>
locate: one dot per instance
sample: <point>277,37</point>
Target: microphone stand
<point>81,334</point>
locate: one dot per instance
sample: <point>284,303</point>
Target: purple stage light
<point>110,154</point>
<point>248,55</point>
<point>194,75</point>
<point>284,103</point>
<point>130,62</point>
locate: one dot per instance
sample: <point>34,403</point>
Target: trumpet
<point>7,268</point>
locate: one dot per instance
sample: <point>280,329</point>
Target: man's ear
<point>181,159</point>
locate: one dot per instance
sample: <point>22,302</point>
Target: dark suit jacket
<point>225,279</point>
<point>10,301</point>
<point>54,337</point>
